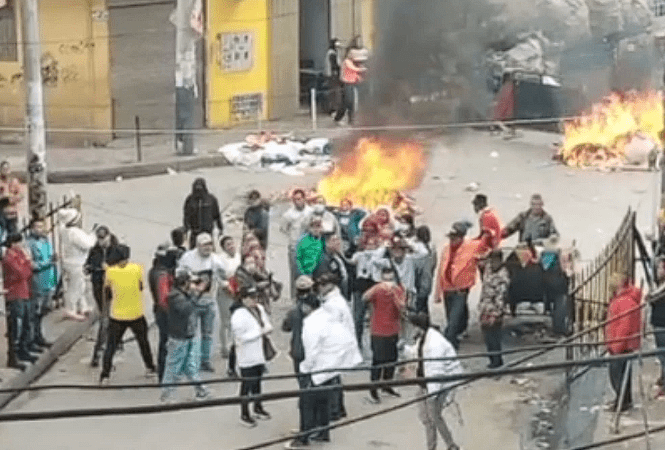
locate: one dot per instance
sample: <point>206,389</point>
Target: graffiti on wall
<point>53,74</point>
<point>76,48</point>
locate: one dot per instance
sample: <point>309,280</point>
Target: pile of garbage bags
<point>280,153</point>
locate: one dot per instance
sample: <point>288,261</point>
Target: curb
<point>61,346</point>
<point>135,170</point>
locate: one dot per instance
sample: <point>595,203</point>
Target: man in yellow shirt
<point>124,291</point>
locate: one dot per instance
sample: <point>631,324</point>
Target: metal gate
<point>589,291</point>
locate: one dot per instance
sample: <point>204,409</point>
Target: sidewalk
<point>632,422</point>
<point>121,157</point>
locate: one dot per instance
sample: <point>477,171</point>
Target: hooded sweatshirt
<point>201,210</point>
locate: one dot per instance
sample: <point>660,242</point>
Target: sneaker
<point>202,394</point>
<point>166,399</point>
<point>296,443</point>
<point>261,414</point>
<point>95,361</point>
<point>232,374</point>
<point>207,367</point>
<point>374,398</point>
<point>391,391</point>
<point>453,447</point>
<point>104,381</point>
<point>151,373</point>
<point>320,438</point>
<point>247,421</point>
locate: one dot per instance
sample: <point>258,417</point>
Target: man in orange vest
<point>457,275</point>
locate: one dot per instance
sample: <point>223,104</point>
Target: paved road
<point>587,206</point>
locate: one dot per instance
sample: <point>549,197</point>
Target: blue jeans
<point>206,314</point>
<point>162,321</point>
<point>456,315</point>
<point>41,303</point>
<point>659,334</point>
<point>182,358</point>
<point>18,327</point>
<point>492,337</point>
<point>360,286</point>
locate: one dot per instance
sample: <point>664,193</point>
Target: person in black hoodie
<point>160,279</point>
<point>201,212</point>
<point>95,266</point>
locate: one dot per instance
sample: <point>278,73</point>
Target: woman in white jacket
<point>249,325</point>
<point>76,244</point>
<point>433,345</point>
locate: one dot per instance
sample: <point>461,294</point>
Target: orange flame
<point>372,174</point>
<point>601,136</point>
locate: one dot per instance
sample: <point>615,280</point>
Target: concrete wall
<point>77,92</point>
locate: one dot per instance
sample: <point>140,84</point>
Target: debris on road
<point>286,154</point>
<point>472,187</point>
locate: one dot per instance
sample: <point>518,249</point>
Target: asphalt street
<point>587,207</point>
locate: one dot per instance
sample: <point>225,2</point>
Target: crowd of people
<point>345,263</point>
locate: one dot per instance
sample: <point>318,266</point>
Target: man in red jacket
<point>622,334</point>
<point>17,273</point>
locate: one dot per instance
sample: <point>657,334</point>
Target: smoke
<point>430,62</point>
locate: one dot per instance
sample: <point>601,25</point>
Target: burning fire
<point>374,172</point>
<point>604,136</point>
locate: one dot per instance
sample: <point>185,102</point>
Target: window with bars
<point>659,8</point>
<point>8,38</point>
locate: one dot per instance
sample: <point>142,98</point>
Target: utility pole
<point>187,14</point>
<point>36,134</point>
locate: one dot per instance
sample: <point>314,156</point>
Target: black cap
<point>480,199</point>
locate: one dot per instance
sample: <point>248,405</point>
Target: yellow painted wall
<point>77,47</point>
<point>237,16</point>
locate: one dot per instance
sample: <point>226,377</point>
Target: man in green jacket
<point>310,248</point>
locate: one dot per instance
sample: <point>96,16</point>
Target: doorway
<point>314,39</point>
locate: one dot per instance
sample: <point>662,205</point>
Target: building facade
<point>75,68</point>
<point>262,53</point>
